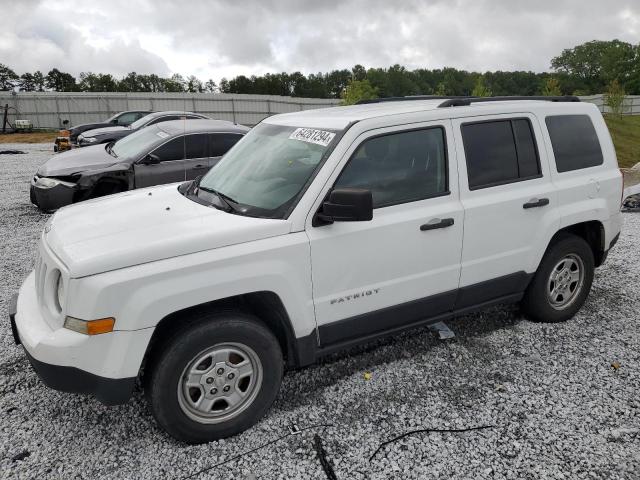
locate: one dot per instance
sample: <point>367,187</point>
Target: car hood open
<point>146,225</point>
<point>76,160</point>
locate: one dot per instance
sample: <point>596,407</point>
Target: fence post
<point>233,109</point>
<point>4,118</point>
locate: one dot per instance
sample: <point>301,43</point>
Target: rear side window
<point>222,142</point>
<point>575,142</point>
<point>499,152</point>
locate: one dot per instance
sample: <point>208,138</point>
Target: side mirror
<point>346,205</point>
<point>151,159</point>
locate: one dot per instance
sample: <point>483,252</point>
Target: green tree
<point>598,63</point>
<point>194,85</point>
<point>481,89</point>
<point>210,86</point>
<point>175,84</point>
<point>27,82</point>
<point>60,81</point>
<point>8,78</point>
<point>224,85</point>
<point>38,81</point>
<point>441,89</point>
<point>358,72</point>
<point>551,87</point>
<point>358,90</point>
<point>614,97</point>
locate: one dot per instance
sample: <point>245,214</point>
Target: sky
<point>215,39</point>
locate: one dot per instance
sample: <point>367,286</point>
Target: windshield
<point>111,119</point>
<point>138,143</point>
<point>266,170</point>
<point>141,122</point>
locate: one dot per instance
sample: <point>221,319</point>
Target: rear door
<point>509,203</point>
<point>171,167</point>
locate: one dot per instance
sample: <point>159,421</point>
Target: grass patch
<point>32,137</point>
<point>625,132</point>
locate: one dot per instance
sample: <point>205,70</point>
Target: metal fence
<point>631,105</point>
<point>51,109</point>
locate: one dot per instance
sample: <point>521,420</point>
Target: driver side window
<point>172,150</point>
<point>399,167</point>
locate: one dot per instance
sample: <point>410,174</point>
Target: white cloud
<point>212,39</point>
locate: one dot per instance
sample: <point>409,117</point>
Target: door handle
<point>201,166</point>
<point>534,203</point>
<point>436,223</point>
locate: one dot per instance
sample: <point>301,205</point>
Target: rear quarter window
<point>575,142</point>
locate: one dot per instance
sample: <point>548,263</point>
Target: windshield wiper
<point>226,200</point>
<point>109,149</point>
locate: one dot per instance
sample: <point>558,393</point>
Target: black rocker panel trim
<point>367,326</point>
<point>490,289</point>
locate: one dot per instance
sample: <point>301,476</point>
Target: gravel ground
<point>562,399</point>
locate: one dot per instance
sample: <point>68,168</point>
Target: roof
<point>175,127</point>
<point>171,112</point>
<point>338,118</point>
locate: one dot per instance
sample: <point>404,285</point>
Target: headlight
<point>60,292</point>
<point>87,139</point>
<point>45,182</point>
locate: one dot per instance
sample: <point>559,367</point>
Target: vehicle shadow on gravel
<point>407,345</point>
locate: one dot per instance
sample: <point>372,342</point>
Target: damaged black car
<point>167,152</point>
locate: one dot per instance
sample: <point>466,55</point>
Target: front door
<point>169,169</point>
<point>404,265</point>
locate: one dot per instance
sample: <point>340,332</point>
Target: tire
<point>559,298</point>
<point>177,387</point>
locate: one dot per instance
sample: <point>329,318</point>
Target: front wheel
<point>215,378</point>
<point>562,282</point>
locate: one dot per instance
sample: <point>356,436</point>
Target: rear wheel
<point>562,282</point>
<point>215,378</point>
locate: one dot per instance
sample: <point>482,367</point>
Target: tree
<point>614,97</point>
<point>598,63</point>
<point>38,81</point>
<point>174,84</point>
<point>8,78</point>
<point>60,81</point>
<point>358,72</point>
<point>224,86</point>
<point>551,87</point>
<point>194,85</point>
<point>481,89</point>
<point>27,82</point>
<point>358,90</point>
<point>210,86</point>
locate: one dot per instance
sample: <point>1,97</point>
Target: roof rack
<point>409,98</point>
<point>465,101</point>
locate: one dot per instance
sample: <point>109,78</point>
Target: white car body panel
<point>144,254</point>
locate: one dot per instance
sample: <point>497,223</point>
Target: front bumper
<point>104,366</point>
<point>49,199</point>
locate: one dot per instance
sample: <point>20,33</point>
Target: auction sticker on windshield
<point>311,135</point>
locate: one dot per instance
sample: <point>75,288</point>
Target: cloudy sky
<point>212,39</point>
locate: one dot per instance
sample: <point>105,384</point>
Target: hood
<point>76,160</point>
<point>104,131</point>
<point>134,227</point>
<point>88,126</point>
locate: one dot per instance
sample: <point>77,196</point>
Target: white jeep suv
<point>319,230</point>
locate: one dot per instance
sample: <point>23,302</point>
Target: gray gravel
<point>559,408</point>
